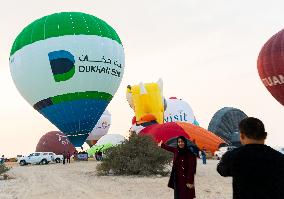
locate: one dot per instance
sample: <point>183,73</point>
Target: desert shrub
<point>3,169</point>
<point>139,155</point>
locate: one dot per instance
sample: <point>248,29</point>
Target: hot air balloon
<point>145,120</point>
<point>147,99</point>
<point>96,148</point>
<point>225,124</point>
<point>113,139</point>
<point>68,66</point>
<point>55,141</point>
<point>270,65</point>
<point>100,129</point>
<point>168,132</point>
<point>179,110</point>
<point>106,142</point>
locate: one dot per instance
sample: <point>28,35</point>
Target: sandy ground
<point>79,180</point>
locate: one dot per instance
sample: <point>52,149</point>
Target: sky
<point>205,52</point>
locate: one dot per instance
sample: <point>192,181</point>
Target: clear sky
<point>205,52</point>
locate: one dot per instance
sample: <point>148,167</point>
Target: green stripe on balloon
<point>72,97</point>
<point>64,76</point>
<point>64,23</point>
<point>81,95</point>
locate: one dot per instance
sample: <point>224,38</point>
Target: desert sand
<point>79,180</point>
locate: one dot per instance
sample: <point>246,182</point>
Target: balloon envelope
<point>113,139</point>
<point>147,99</point>
<point>101,127</point>
<point>68,66</point>
<point>178,111</point>
<point>225,124</point>
<point>270,65</point>
<point>94,149</point>
<point>55,141</point>
<point>168,131</point>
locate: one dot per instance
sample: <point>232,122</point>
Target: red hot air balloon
<point>270,65</point>
<point>168,132</point>
<point>55,141</point>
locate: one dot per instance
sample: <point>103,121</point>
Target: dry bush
<point>139,155</point>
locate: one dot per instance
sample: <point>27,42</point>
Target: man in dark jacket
<point>257,169</point>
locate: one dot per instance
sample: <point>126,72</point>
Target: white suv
<point>39,158</point>
<point>57,158</point>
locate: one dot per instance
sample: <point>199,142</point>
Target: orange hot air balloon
<point>168,132</point>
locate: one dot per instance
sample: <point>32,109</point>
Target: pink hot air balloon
<point>270,65</point>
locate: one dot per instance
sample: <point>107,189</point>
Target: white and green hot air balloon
<point>68,66</point>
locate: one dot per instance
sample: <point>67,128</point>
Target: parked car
<point>82,156</point>
<point>222,150</point>
<point>19,156</point>
<point>40,158</point>
<point>57,158</point>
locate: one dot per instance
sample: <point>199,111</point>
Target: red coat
<point>183,171</point>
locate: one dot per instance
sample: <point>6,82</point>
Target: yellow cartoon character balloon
<point>147,99</point>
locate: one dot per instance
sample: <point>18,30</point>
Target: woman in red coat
<point>183,171</point>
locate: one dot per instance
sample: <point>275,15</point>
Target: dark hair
<point>183,139</point>
<point>182,150</point>
<point>253,128</point>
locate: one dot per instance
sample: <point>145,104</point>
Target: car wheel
<point>23,162</point>
<point>57,160</point>
<point>44,161</point>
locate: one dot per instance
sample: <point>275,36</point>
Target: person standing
<point>75,155</point>
<point>100,156</point>
<point>2,159</point>
<point>68,156</point>
<point>96,156</point>
<point>203,156</point>
<point>257,169</point>
<point>64,157</point>
<point>183,170</point>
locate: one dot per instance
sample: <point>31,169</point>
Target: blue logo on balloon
<point>62,65</point>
